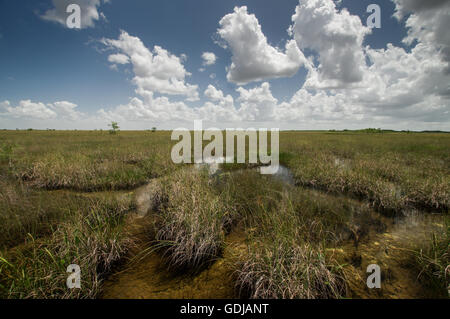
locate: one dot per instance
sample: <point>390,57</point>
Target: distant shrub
<point>114,128</point>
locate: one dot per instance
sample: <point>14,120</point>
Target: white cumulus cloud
<point>257,104</point>
<point>29,109</point>
<point>66,110</point>
<point>253,58</point>
<point>155,71</point>
<point>336,36</point>
<point>428,23</point>
<point>26,109</point>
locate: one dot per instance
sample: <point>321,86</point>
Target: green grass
<point>59,205</point>
<point>432,261</point>
<point>89,161</point>
<point>92,238</point>
<point>283,261</point>
<point>393,171</point>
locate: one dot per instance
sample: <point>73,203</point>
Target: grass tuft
<point>92,239</point>
<point>192,219</point>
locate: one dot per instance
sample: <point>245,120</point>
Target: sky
<point>291,64</point>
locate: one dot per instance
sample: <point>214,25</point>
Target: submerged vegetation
<point>432,261</point>
<point>65,198</point>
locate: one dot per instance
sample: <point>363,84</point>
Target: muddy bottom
<point>392,250</point>
<point>149,278</point>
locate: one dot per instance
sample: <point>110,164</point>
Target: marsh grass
<point>432,261</point>
<point>25,210</point>
<point>394,172</point>
<point>283,260</point>
<point>326,217</point>
<point>288,229</point>
<point>279,269</point>
<point>288,232</point>
<point>90,236</point>
<point>89,160</point>
<point>193,218</point>
<point>6,152</point>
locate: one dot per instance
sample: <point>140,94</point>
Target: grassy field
<point>65,198</point>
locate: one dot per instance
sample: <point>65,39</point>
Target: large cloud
<point>148,108</point>
<point>89,11</point>
<point>254,59</point>
<point>336,36</point>
<point>397,87</point>
<point>428,23</point>
<point>156,71</point>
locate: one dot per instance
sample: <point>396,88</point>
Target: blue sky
<point>45,62</point>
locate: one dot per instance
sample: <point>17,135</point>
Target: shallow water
<point>390,248</point>
<point>150,278</point>
<point>392,251</point>
<point>284,175</point>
